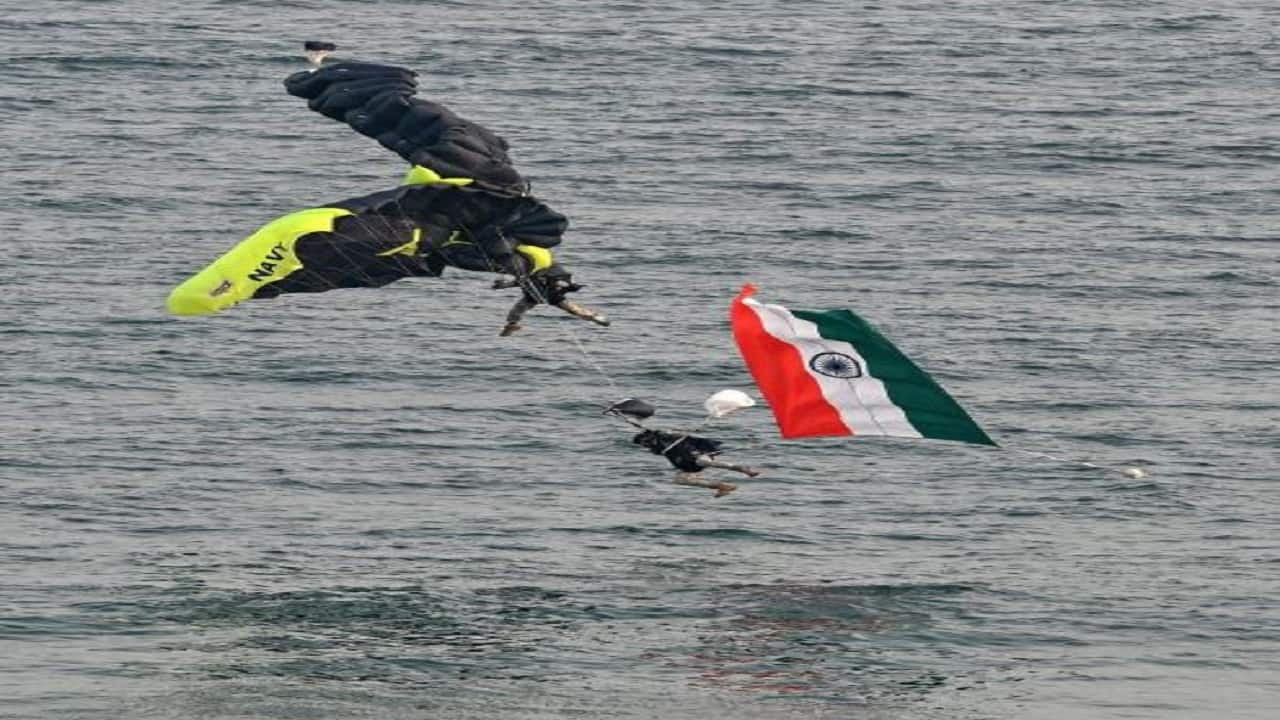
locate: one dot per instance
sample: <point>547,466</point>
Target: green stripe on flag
<point>927,406</point>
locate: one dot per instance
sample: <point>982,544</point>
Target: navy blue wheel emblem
<point>836,365</point>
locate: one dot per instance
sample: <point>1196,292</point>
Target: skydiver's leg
<point>522,306</point>
<point>708,461</point>
<point>696,480</point>
<point>577,310</point>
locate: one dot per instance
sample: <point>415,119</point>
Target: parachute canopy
<point>378,101</point>
<point>727,401</point>
<point>370,241</point>
<point>462,204</point>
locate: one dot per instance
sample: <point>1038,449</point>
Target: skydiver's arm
<point>721,488</point>
<point>708,461</point>
<point>586,314</point>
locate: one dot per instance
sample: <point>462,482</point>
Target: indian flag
<point>831,373</point>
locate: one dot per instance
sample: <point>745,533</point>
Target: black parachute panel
<point>397,233</point>
<point>359,252</point>
<point>536,224</point>
<point>497,221</point>
<point>378,101</point>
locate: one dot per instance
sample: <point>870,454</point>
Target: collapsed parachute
<point>378,101</point>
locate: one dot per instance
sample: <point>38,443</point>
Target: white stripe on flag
<point>863,402</point>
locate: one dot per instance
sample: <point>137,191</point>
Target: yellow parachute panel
<point>539,256</point>
<point>262,258</point>
<point>410,248</point>
<point>419,175</point>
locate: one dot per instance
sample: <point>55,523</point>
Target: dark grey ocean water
<point>366,504</point>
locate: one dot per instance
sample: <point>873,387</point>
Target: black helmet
<point>557,283</point>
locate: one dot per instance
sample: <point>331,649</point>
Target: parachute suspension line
<point>1135,473</point>
<point>590,359</point>
<point>541,297</point>
<point>587,357</point>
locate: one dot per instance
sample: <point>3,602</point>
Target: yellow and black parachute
<point>462,205</point>
<point>413,230</point>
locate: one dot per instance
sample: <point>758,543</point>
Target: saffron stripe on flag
<point>778,367</point>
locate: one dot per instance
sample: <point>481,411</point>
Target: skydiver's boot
<point>696,480</point>
<point>577,310</point>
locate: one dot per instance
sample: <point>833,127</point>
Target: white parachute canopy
<point>727,401</point>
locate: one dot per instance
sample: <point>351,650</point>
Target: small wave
<point>715,533</point>
<point>736,51</point>
<point>1186,23</point>
<point>1051,30</point>
<point>1240,278</point>
<point>870,590</point>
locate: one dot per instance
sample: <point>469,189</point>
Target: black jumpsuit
<point>681,450</point>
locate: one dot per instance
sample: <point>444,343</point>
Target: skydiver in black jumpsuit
<point>551,288</point>
<point>690,455</point>
<point>550,284</point>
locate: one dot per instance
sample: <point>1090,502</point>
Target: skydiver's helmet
<point>557,283</point>
<point>647,438</point>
